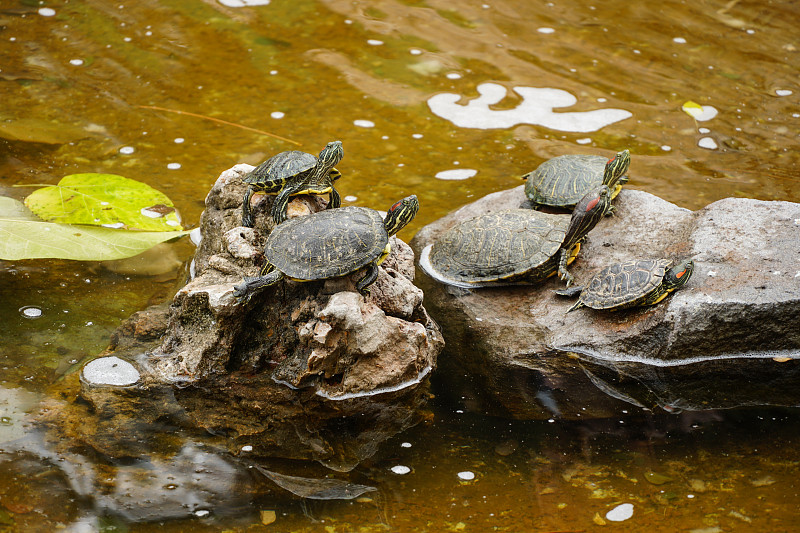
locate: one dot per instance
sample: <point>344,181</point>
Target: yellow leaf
<point>693,109</point>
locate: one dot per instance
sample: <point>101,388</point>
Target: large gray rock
<point>282,375</point>
<point>730,337</point>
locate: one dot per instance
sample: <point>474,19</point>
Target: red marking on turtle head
<point>680,274</point>
<point>396,205</point>
<point>591,205</point>
<point>611,160</point>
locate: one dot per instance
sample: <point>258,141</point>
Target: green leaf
<point>40,131</point>
<point>105,200</point>
<point>23,237</point>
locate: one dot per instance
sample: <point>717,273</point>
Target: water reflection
<point>307,70</point>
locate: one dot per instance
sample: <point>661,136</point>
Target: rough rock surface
<point>304,370</point>
<point>730,337</point>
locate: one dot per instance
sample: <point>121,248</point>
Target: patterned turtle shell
<point>273,173</point>
<point>634,283</point>
<point>513,246</point>
<point>563,180</point>
<point>327,244</point>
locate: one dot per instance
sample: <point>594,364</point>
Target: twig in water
<point>219,121</point>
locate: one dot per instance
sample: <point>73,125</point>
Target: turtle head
<point>330,155</point>
<point>616,167</point>
<point>677,276</point>
<point>400,214</point>
<point>587,213</point>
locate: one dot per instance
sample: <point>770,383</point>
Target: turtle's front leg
<point>247,216</point>
<point>253,285</point>
<point>335,200</point>
<point>368,279</point>
<point>564,255</point>
<point>281,204</point>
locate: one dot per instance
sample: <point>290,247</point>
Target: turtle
<point>290,173</point>
<point>513,246</point>
<point>562,181</point>
<point>329,244</point>
<point>637,282</point>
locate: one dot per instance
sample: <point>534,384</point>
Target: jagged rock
<point>728,338</point>
<point>308,370</point>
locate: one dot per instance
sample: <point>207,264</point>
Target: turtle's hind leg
<point>368,279</point>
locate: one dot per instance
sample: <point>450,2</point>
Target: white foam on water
<point>244,3</point>
<point>536,108</point>
<point>456,174</point>
<point>702,113</point>
<point>707,143</point>
<point>364,123</point>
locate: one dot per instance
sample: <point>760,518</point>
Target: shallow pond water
<point>447,101</point>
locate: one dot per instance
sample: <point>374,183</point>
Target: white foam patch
<point>707,143</point>
<point>536,108</point>
<point>243,3</point>
<point>701,113</point>
<point>456,174</point>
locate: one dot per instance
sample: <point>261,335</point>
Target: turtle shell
<point>500,245</point>
<point>273,173</point>
<point>563,180</point>
<point>624,284</point>
<point>327,244</point>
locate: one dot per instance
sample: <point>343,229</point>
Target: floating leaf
<point>37,130</point>
<point>23,237</point>
<point>105,200</point>
<point>699,112</point>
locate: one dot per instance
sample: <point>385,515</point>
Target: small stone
<point>598,519</point>
<point>657,479</point>
<point>763,481</point>
<point>620,513</point>
<point>110,371</point>
<point>506,448</point>
<point>697,485</point>
<point>267,517</point>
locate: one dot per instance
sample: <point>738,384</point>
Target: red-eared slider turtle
<point>563,180</point>
<point>513,246</point>
<point>290,173</point>
<point>632,283</point>
<point>329,244</point>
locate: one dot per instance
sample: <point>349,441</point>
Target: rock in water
<point>304,370</point>
<point>718,342</point>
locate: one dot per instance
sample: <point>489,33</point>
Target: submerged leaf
<point>317,489</point>
<point>105,200</point>
<point>37,130</point>
<point>23,237</point>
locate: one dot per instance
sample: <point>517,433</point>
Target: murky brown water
<point>82,75</point>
